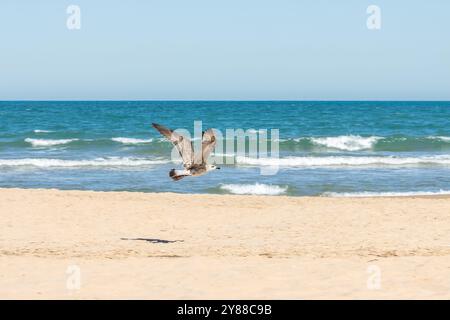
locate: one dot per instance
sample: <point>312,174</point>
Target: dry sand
<point>171,246</point>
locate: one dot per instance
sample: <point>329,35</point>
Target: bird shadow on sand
<point>152,240</point>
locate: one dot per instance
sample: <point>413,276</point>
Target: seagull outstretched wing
<point>183,144</point>
<point>208,145</point>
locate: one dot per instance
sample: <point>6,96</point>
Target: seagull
<point>194,165</point>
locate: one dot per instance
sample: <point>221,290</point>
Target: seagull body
<point>194,164</point>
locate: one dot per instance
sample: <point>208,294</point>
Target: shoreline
<point>412,196</point>
<point>183,246</point>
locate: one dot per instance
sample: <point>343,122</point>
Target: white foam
<point>347,143</point>
<point>333,161</point>
<point>385,194</point>
<point>48,143</point>
<point>227,155</point>
<point>98,162</point>
<point>131,140</point>
<point>255,131</point>
<point>41,131</point>
<point>256,189</point>
<point>443,138</point>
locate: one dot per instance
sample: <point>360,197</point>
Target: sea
<point>325,148</point>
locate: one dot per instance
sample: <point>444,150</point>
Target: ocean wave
<point>333,161</point>
<point>356,143</point>
<point>224,155</point>
<point>42,131</point>
<point>347,143</point>
<point>341,144</point>
<point>255,189</point>
<point>48,143</point>
<point>131,140</point>
<point>442,138</point>
<point>97,162</point>
<point>385,194</point>
<point>259,131</point>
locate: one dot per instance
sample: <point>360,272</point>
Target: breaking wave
<point>48,143</point>
<point>354,143</point>
<point>131,140</point>
<point>333,161</point>
<point>442,138</point>
<point>98,162</point>
<point>347,143</point>
<point>255,189</point>
<point>41,131</point>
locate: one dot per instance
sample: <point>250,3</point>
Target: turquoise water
<point>326,148</point>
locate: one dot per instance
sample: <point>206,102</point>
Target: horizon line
<point>220,100</point>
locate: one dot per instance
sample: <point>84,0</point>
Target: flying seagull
<point>194,164</point>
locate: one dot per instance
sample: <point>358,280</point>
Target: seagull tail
<point>177,175</point>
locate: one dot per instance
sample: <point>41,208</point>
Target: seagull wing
<point>183,144</point>
<point>208,144</point>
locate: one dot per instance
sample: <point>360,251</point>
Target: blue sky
<point>217,49</point>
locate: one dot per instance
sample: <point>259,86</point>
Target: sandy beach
<point>124,245</point>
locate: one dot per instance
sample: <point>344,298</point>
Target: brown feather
<point>183,144</point>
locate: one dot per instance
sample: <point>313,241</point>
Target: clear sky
<point>225,49</point>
